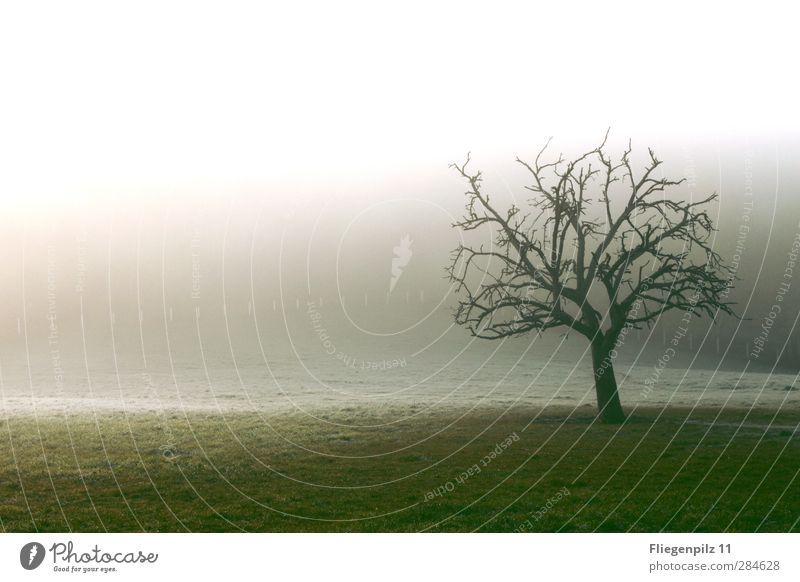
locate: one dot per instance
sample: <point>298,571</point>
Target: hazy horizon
<point>155,192</point>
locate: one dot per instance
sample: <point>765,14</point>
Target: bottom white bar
<point>400,557</point>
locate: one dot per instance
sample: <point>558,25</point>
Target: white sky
<point>105,96</point>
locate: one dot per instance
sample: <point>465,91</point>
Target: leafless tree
<point>600,249</point>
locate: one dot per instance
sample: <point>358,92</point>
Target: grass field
<point>672,470</point>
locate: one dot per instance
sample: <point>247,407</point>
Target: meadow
<point>362,469</point>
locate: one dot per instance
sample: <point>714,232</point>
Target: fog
<point>160,188</point>
<point>243,264</point>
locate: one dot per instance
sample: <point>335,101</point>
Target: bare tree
<point>600,250</point>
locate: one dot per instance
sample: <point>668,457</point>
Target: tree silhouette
<point>600,249</point>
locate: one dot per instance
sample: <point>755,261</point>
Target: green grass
<point>237,471</point>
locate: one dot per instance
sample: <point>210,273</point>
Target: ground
<point>451,470</point>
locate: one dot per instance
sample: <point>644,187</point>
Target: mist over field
<point>259,290</point>
<point>284,162</point>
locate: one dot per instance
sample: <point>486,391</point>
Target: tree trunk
<point>605,384</point>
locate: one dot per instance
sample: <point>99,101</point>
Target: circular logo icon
<point>31,555</point>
